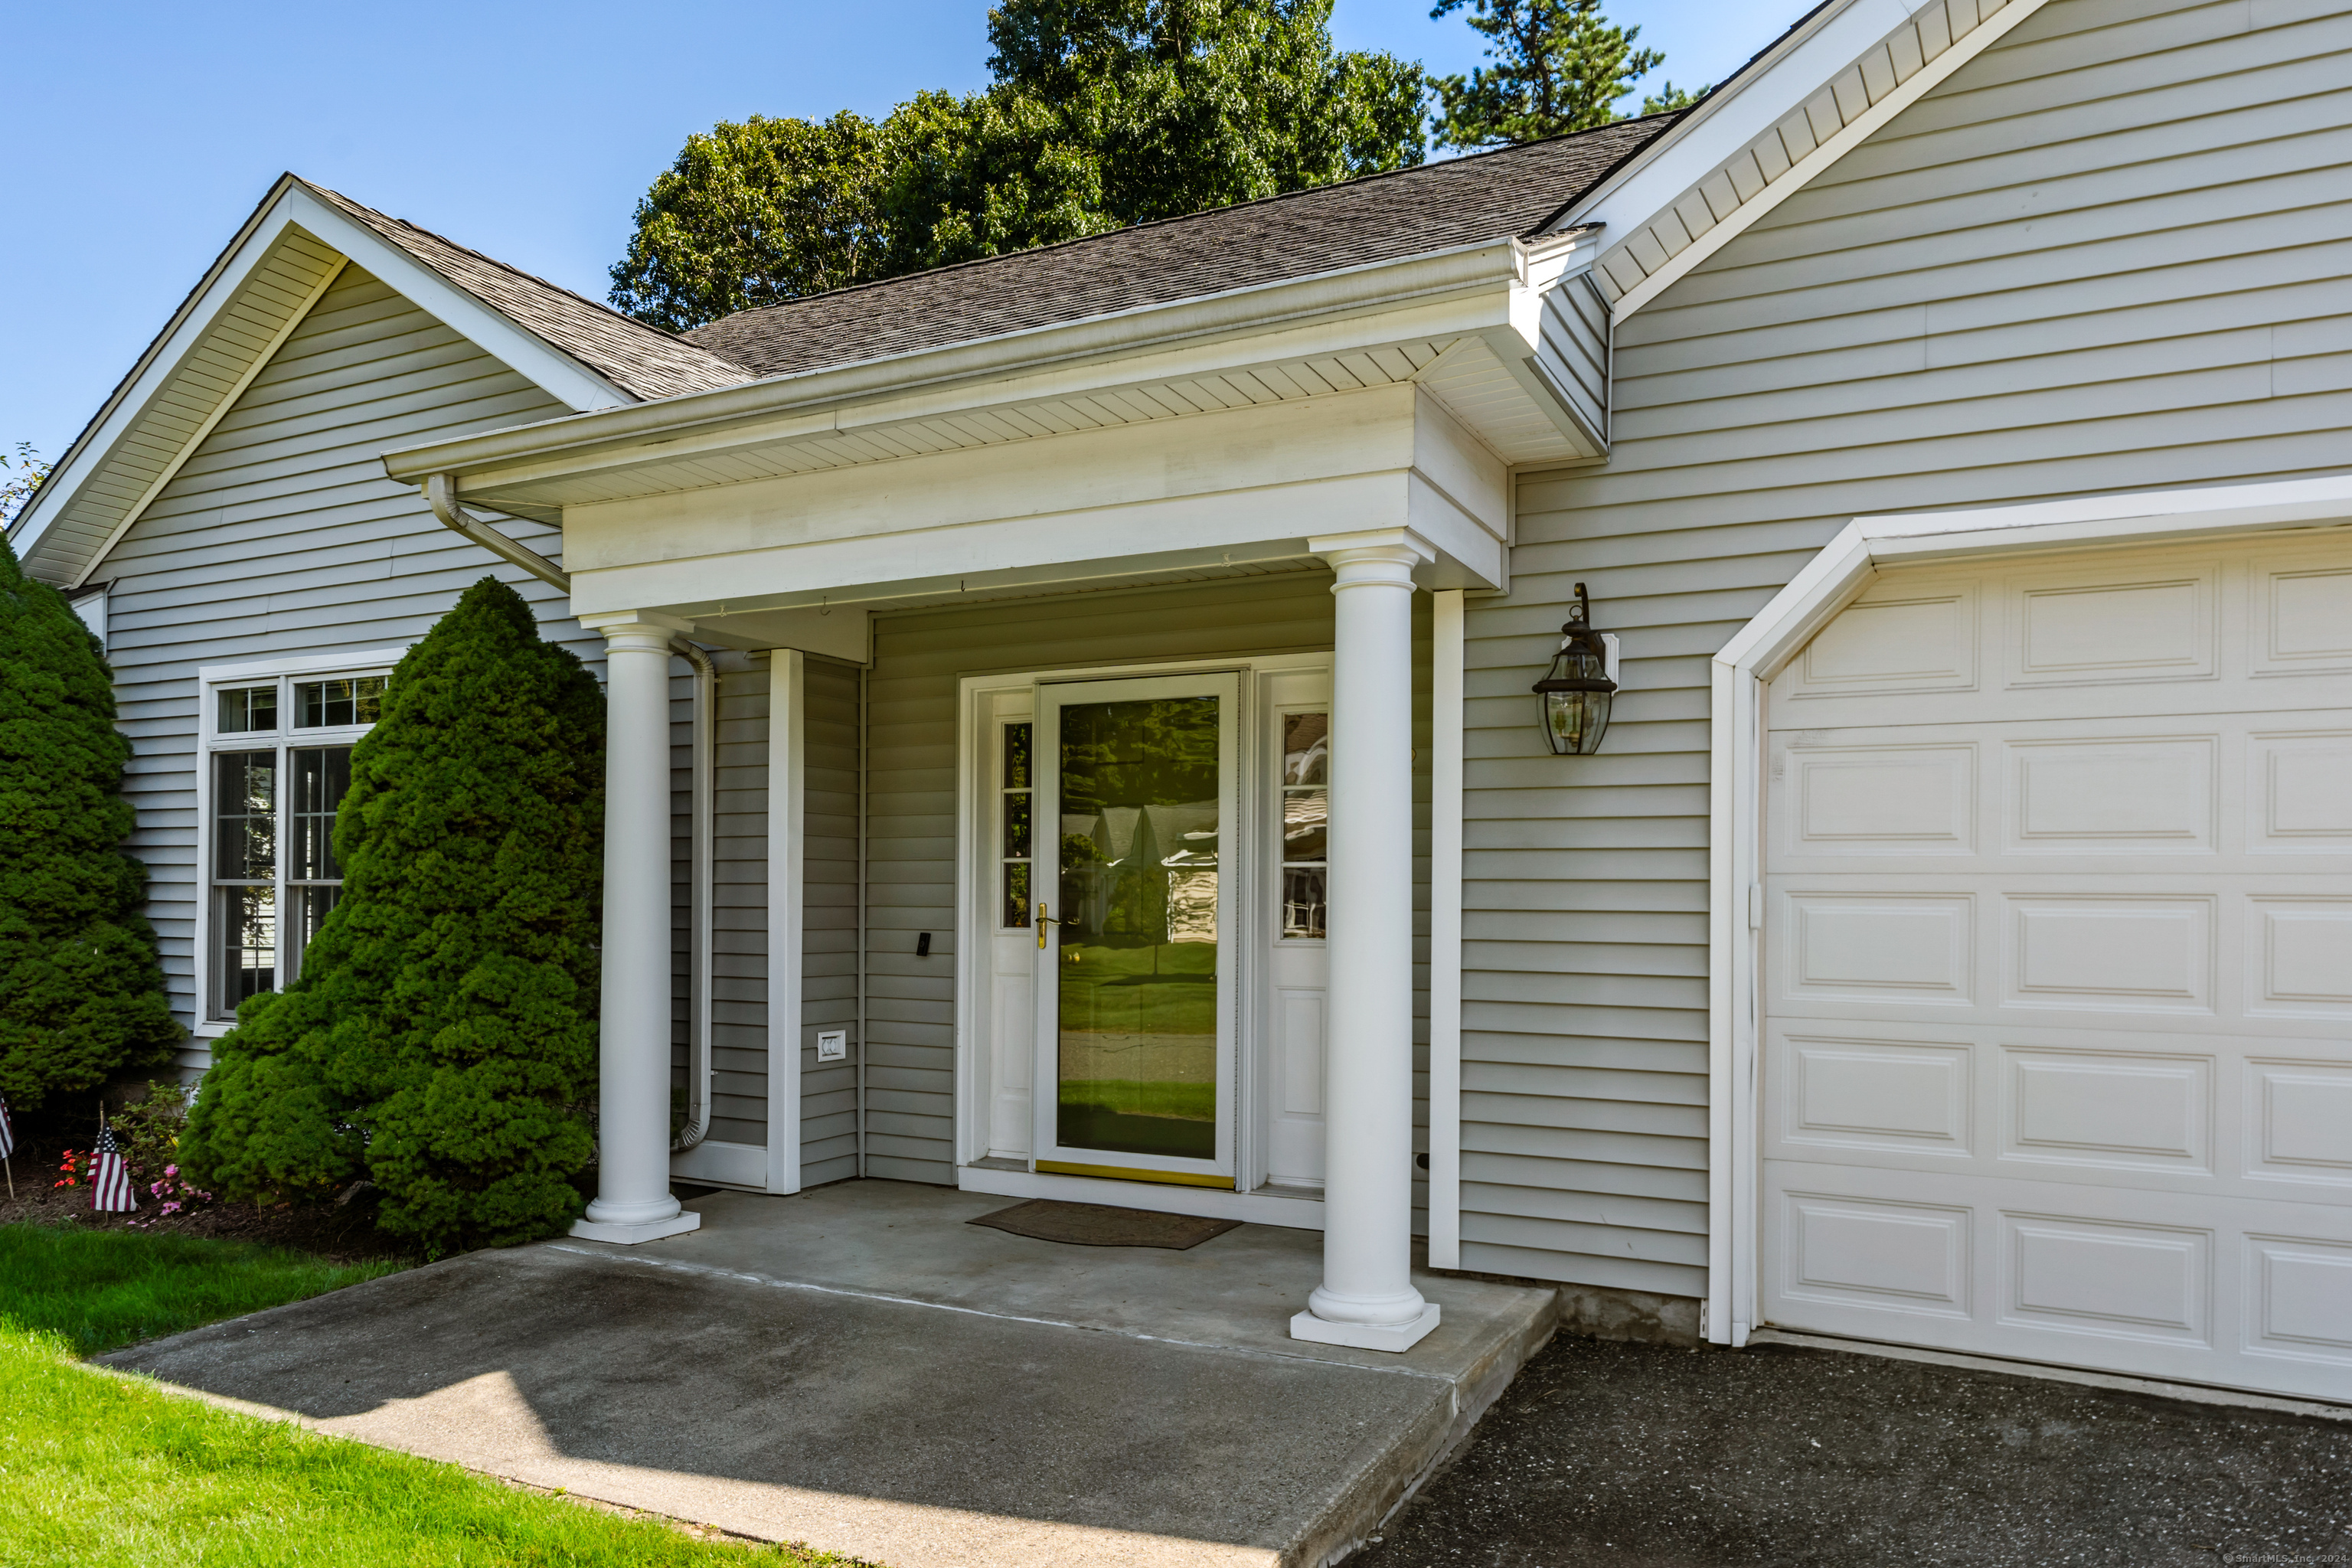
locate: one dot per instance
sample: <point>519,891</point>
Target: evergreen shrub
<point>81,988</point>
<point>441,1040</point>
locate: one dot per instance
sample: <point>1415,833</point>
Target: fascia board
<point>1743,110</point>
<point>1240,312</point>
<point>122,408</point>
<point>1457,315</point>
<point>557,373</point>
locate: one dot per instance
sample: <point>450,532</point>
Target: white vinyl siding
<point>2109,254</point>
<point>281,537</point>
<point>829,918</point>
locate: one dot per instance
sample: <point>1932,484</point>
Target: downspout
<point>441,491</point>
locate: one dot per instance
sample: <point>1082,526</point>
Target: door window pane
<point>327,704</point>
<point>245,815</point>
<point>1306,748</point>
<point>248,710</point>
<point>1306,823</point>
<point>1137,980</point>
<point>1014,851</point>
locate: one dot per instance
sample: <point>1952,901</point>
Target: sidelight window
<point>1306,816</point>
<point>1016,851</point>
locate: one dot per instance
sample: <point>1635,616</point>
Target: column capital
<point>635,625</point>
<point>1371,555</point>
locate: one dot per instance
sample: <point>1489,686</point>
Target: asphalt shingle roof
<point>1515,191</point>
<point>639,359</point>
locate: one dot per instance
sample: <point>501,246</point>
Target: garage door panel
<point>2302,615</point>
<point>2200,1288</point>
<point>2057,965</point>
<point>2088,625</point>
<point>2299,792</point>
<point>2115,1109</point>
<point>2140,795</point>
<point>2113,952</point>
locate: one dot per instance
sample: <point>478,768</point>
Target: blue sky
<point>139,136</point>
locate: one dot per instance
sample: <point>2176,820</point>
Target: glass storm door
<point>1135,991</point>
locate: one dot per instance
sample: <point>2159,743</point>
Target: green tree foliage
<point>1559,66</point>
<point>16,487</point>
<point>753,214</point>
<point>1102,113</point>
<point>81,989</point>
<point>442,1037</point>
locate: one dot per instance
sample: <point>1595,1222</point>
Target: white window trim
<point>1829,582</point>
<point>210,679</point>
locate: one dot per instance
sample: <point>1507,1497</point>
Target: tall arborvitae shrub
<point>81,991</point>
<point>442,1038</point>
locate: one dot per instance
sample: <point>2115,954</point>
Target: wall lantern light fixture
<point>1577,691</point>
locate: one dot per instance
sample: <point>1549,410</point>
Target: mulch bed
<point>344,1233</point>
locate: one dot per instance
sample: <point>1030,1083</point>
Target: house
<point>1949,943</point>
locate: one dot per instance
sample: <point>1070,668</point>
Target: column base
<point>1364,1336</point>
<point>631,1233</point>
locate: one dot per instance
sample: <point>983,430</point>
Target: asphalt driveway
<point>1619,1456</point>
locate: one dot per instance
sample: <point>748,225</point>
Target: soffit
<point>1643,257</point>
<point>294,271</point>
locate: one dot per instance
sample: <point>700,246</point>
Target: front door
<point>1136,994</point>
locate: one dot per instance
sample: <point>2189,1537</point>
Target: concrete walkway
<point>857,1369</point>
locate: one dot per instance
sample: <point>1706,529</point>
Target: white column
<point>1366,1299</point>
<point>632,1201</point>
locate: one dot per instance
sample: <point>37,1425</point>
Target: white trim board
<point>1445,801</point>
<point>1827,582</point>
<point>787,782</point>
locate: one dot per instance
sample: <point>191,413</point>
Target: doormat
<point>1099,1225</point>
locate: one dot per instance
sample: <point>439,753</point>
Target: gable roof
<point>640,360</point>
<point>1513,192</point>
<point>258,290</point>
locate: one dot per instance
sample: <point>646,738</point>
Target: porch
<point>857,1368</point>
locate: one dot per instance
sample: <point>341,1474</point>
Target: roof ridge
<point>1359,180</point>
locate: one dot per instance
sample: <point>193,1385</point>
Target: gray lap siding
<point>2108,254</point>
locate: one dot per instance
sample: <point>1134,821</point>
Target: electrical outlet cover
<point>833,1045</point>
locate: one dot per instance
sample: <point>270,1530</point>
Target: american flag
<point>110,1179</point>
<point>7,1133</point>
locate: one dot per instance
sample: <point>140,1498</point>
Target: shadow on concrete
<point>976,1418</point>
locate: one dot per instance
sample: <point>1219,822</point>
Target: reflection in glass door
<point>1136,1025</point>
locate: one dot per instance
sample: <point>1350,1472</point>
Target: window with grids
<point>1306,812</point>
<point>279,764</point>
<point>1014,851</point>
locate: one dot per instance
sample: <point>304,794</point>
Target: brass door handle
<point>1045,920</point>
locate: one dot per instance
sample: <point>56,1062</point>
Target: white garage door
<point>2058,965</point>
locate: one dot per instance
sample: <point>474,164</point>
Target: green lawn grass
<point>101,1468</point>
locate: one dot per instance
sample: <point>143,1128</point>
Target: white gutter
<point>439,490</point>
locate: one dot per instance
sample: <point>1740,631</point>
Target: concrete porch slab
<point>857,1369</point>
